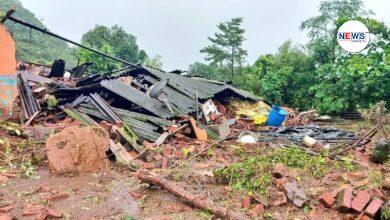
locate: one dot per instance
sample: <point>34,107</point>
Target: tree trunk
<point>188,197</point>
<point>232,63</point>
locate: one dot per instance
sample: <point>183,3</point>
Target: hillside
<point>32,45</point>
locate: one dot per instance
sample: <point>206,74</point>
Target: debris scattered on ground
<point>208,143</point>
<point>294,194</point>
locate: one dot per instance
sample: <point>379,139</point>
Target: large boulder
<point>78,149</point>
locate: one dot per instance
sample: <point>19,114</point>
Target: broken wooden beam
<point>188,197</point>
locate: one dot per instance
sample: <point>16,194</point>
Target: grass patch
<point>253,173</point>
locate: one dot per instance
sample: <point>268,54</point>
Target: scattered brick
<point>365,217</point>
<point>5,217</point>
<point>3,179</point>
<point>373,207</point>
<point>327,200</point>
<point>53,213</point>
<point>376,193</point>
<point>56,197</point>
<point>279,199</point>
<point>360,201</point>
<point>355,175</point>
<point>348,217</point>
<point>246,202</point>
<point>148,166</point>
<point>258,210</point>
<point>7,208</point>
<point>344,199</point>
<point>279,171</point>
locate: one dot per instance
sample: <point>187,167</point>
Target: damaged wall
<point>8,89</point>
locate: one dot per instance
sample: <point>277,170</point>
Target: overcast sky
<point>178,29</point>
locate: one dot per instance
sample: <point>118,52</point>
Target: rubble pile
<point>149,119</point>
<point>159,125</point>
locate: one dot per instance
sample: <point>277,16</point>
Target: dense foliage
<point>34,46</point>
<point>319,74</point>
<point>114,41</point>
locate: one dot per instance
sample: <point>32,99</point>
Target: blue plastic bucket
<point>276,116</point>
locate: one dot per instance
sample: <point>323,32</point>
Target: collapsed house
<point>136,109</point>
<point>144,100</point>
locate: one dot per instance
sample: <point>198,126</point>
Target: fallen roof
<point>137,97</point>
<point>190,85</point>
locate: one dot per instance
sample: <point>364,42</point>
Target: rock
<point>381,152</point>
<point>246,202</point>
<point>373,207</point>
<point>38,133</point>
<point>360,201</point>
<point>78,149</point>
<point>258,210</point>
<point>294,194</point>
<point>327,200</point>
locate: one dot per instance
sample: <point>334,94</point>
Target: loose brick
<point>5,217</point>
<point>365,217</point>
<point>373,207</point>
<point>327,200</point>
<point>3,178</point>
<point>360,201</point>
<point>246,202</point>
<point>344,199</point>
<point>258,210</point>
<point>377,193</point>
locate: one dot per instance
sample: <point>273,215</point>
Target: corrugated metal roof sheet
<point>189,85</point>
<point>137,97</point>
<point>142,117</point>
<point>180,102</point>
<point>145,129</point>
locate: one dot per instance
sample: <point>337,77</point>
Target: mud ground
<point>119,195</point>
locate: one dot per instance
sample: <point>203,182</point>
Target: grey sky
<point>178,29</point>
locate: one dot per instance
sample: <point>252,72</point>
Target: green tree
<point>322,28</point>
<point>355,81</point>
<point>154,62</point>
<point>281,78</point>
<point>345,81</point>
<point>226,46</point>
<point>209,71</point>
<point>114,41</point>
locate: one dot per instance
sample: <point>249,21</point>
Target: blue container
<point>276,116</point>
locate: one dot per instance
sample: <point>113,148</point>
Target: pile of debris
<point>139,107</point>
<point>149,119</point>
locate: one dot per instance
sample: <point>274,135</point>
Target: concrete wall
<point>8,89</point>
